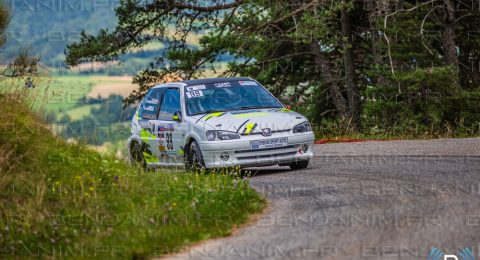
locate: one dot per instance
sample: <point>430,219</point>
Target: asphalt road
<point>373,200</point>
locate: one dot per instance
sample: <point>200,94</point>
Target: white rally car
<point>216,123</point>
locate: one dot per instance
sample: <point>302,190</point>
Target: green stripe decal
<point>249,128</point>
<point>216,114</point>
<point>254,114</point>
<point>286,110</point>
<point>145,135</point>
<point>150,158</point>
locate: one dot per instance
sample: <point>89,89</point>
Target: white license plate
<point>269,143</point>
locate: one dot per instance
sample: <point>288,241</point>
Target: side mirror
<point>177,116</point>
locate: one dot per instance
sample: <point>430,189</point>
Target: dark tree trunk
<point>326,75</point>
<point>448,34</point>
<point>350,77</point>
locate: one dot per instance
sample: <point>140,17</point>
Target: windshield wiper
<point>209,112</point>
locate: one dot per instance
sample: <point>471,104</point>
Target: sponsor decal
<point>153,101</point>
<point>195,94</point>
<point>248,83</point>
<point>149,108</point>
<point>161,135</point>
<point>196,87</point>
<point>161,148</point>
<point>223,85</point>
<point>166,128</point>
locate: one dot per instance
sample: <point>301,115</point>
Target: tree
<point>338,46</point>
<point>23,64</point>
<point>271,41</point>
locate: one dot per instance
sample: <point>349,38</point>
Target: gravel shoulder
<point>370,200</point>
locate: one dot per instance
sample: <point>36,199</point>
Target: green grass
<point>62,93</point>
<point>82,111</point>
<point>383,136</point>
<point>65,200</point>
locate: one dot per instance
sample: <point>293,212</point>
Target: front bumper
<point>240,153</point>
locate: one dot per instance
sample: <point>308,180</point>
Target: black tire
<point>299,165</point>
<point>194,160</point>
<point>136,155</point>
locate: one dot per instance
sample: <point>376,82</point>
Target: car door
<point>147,117</point>
<point>168,130</point>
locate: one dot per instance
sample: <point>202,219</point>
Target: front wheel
<point>194,160</point>
<point>136,155</point>
<point>299,165</point>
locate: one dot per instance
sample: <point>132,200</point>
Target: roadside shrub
<point>426,102</point>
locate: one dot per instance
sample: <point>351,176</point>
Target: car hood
<point>252,121</point>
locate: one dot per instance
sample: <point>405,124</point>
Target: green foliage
<point>63,200</point>
<point>426,101</point>
<point>352,49</point>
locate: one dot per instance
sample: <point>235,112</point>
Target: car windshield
<point>228,96</point>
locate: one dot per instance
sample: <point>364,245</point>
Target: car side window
<point>170,104</point>
<point>151,104</point>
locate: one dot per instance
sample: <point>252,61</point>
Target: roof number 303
<point>195,93</point>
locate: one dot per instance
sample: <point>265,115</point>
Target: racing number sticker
<point>169,138</point>
<point>194,94</point>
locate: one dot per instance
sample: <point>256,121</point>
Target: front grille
<point>253,157</point>
<point>266,149</point>
<point>266,153</point>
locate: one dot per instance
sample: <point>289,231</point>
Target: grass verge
<point>66,200</point>
<point>385,136</point>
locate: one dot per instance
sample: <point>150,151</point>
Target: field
<point>108,85</point>
<point>62,93</point>
<point>81,111</point>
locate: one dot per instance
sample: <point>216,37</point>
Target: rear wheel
<point>194,160</point>
<point>299,165</point>
<point>136,155</point>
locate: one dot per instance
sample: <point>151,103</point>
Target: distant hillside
<point>46,27</point>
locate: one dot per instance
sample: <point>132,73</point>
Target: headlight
<point>302,128</point>
<point>215,135</point>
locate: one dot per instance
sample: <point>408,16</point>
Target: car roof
<point>212,80</point>
<point>201,81</point>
